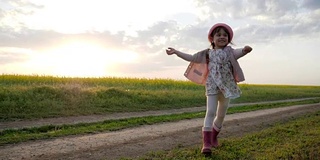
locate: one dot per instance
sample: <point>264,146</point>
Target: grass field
<point>32,97</point>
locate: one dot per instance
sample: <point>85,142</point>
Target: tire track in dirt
<point>138,141</point>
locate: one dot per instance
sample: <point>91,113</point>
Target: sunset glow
<point>81,60</point>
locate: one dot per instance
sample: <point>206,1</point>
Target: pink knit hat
<point>210,38</point>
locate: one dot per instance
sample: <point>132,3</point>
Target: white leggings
<point>215,112</point>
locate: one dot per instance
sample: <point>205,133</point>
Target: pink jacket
<point>197,70</point>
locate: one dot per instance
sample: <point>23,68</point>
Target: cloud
<point>259,33</point>
<point>164,34</point>
<point>15,9</point>
<point>13,55</point>
<point>311,4</point>
<point>245,9</point>
<point>266,19</point>
<point>19,6</point>
<point>44,39</point>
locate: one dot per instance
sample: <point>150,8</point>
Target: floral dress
<point>220,77</point>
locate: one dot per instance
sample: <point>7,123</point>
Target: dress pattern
<point>220,77</point>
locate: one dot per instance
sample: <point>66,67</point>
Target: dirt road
<point>135,142</point>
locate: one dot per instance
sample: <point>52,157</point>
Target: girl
<point>223,73</point>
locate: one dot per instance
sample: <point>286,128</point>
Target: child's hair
<point>216,31</point>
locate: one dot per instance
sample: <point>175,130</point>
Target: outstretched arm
<point>185,56</point>
<point>238,53</point>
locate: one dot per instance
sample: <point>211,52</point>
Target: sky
<point>128,38</point>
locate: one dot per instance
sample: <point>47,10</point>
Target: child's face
<point>220,39</point>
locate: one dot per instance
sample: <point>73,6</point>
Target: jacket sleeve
<point>238,53</point>
<point>236,69</point>
<point>198,57</point>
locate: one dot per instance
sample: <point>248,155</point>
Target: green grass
<point>297,139</point>
<point>50,131</point>
<point>33,97</point>
<point>254,107</point>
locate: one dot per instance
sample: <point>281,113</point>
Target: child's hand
<point>247,49</point>
<point>170,51</point>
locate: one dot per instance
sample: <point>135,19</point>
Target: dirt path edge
<point>135,142</point>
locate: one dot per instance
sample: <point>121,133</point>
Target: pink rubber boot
<point>215,142</point>
<point>207,140</point>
